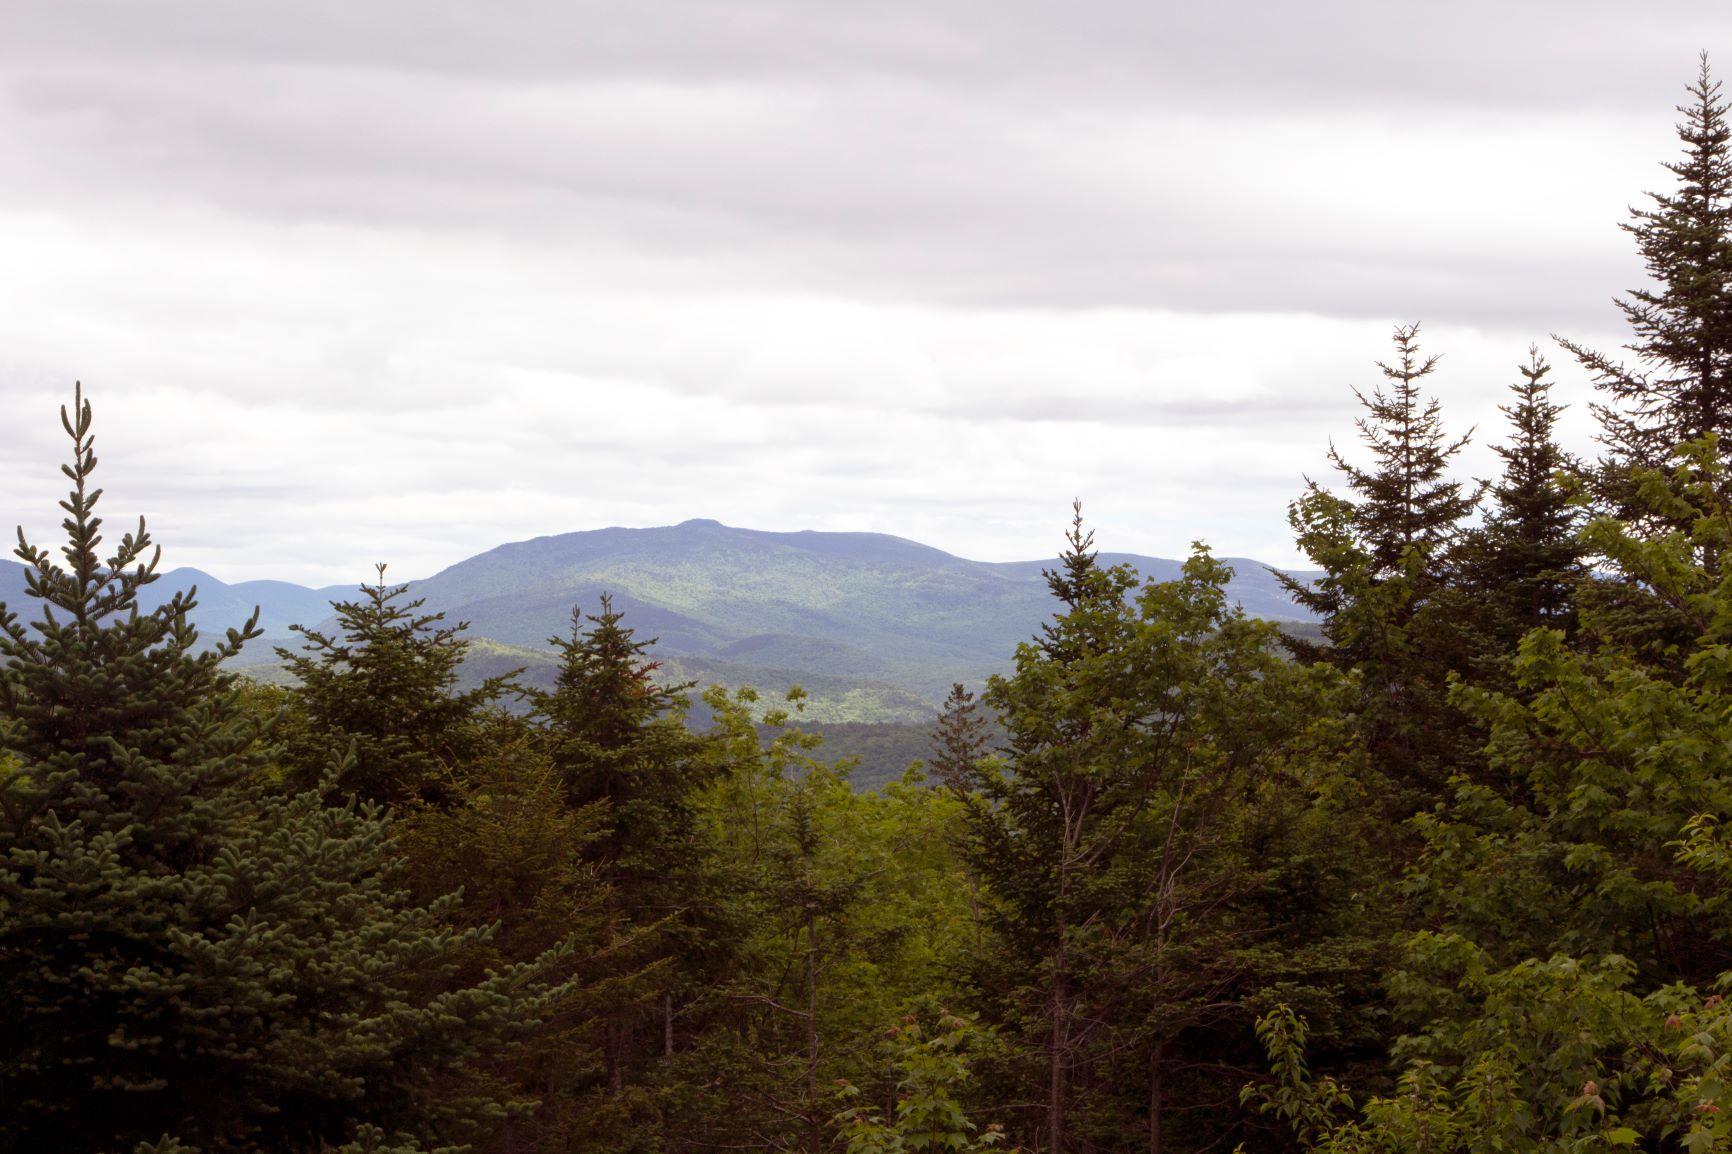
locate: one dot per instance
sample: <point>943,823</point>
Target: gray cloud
<point>407,279</point>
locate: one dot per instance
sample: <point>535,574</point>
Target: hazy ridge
<point>875,627</point>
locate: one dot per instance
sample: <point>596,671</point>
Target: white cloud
<point>346,294</point>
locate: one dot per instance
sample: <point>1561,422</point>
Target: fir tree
<point>1126,851</point>
<point>1387,549</point>
<point>1406,512</point>
<point>189,959</point>
<point>1681,324</point>
<point>1525,563</point>
<point>386,684</point>
<point>958,741</point>
<point>618,743</point>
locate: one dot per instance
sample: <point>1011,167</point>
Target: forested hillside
<point>1446,872</point>
<point>875,628</point>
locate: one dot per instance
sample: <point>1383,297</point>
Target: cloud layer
<point>403,281</point>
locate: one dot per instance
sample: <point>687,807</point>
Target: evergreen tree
<point>510,841</point>
<point>386,685</point>
<point>1564,993</point>
<point>189,959</point>
<point>959,740</point>
<point>1157,787</point>
<point>618,738</point>
<point>1404,512</point>
<point>1681,324</point>
<point>618,743</point>
<point>1525,564</point>
<point>1388,549</point>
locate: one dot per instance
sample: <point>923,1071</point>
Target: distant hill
<point>221,606</point>
<point>875,627</point>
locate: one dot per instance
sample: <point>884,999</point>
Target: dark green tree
<point>1161,773</point>
<point>959,740</point>
<point>1388,550</point>
<point>1564,991</point>
<point>189,957</point>
<point>618,741</point>
<point>1524,566</point>
<point>386,683</point>
<point>1680,388</point>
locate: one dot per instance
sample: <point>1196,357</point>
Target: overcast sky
<point>402,281</point>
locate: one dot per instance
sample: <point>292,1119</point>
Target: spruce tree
<point>618,743</point>
<point>1407,512</point>
<point>1525,563</point>
<point>1147,810</point>
<point>959,741</point>
<point>190,959</point>
<point>1681,324</point>
<point>1388,549</point>
<point>386,684</point>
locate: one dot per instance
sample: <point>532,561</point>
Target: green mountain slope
<point>875,627</point>
<point>864,605</point>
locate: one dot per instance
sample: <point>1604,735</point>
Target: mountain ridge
<point>872,616</point>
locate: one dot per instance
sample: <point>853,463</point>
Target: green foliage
<point>185,951</point>
<point>1681,323</point>
<point>1167,792</point>
<point>932,1059</point>
<point>1523,567</point>
<point>959,741</point>
<point>832,910</point>
<point>1388,551</point>
<point>1599,851</point>
<point>385,686</point>
<point>1454,863</point>
<point>1601,759</point>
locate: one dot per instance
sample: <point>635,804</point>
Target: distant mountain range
<point>875,627</point>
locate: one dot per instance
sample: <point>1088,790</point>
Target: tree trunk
<point>616,1059</point>
<point>668,1025</point>
<point>812,1027</point>
<point>1060,1043</point>
<point>1157,1093</point>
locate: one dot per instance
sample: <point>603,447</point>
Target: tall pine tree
<point>1158,790</point>
<point>1387,548</point>
<point>618,743</point>
<point>1680,388</point>
<point>959,740</point>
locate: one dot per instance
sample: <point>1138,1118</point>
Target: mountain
<point>865,606</point>
<point>221,606</point>
<point>876,627</point>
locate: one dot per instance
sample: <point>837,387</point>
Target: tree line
<point>1449,875</point>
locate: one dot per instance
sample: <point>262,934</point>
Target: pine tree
<point>1388,549</point>
<point>1126,850</point>
<point>1406,512</point>
<point>618,736</point>
<point>1681,325</point>
<point>958,741</point>
<point>1564,992</point>
<point>509,840</point>
<point>190,959</point>
<point>1525,563</point>
<point>618,742</point>
<point>386,685</point>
